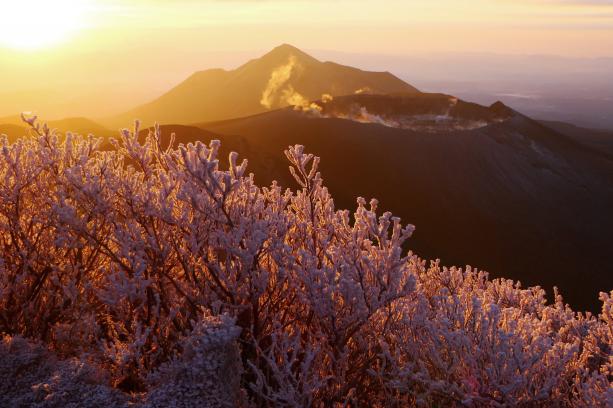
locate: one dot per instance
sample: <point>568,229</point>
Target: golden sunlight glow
<point>34,24</point>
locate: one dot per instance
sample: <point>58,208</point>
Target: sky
<point>138,48</point>
<point>565,27</point>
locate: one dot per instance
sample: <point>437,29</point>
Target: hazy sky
<point>400,26</point>
<point>143,46</point>
<point>564,27</point>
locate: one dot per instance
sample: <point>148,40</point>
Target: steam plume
<point>325,98</point>
<point>279,91</point>
<point>362,90</point>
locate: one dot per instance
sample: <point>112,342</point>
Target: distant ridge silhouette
<point>217,94</point>
<point>14,127</point>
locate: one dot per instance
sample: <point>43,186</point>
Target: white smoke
<point>279,91</point>
<point>304,105</point>
<point>278,80</point>
<point>364,90</point>
<point>363,116</point>
<point>421,122</point>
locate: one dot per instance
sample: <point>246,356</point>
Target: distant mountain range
<point>484,185</point>
<point>282,77</point>
<point>14,127</point>
<point>567,89</point>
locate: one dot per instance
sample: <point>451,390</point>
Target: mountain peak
<point>285,51</point>
<point>285,47</point>
<point>501,108</point>
<point>283,77</point>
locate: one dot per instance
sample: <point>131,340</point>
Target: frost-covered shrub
<point>31,376</point>
<point>114,257</point>
<point>466,340</point>
<point>206,373</point>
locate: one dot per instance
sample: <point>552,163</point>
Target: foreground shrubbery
<point>171,281</point>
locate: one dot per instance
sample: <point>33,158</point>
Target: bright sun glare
<point>35,24</point>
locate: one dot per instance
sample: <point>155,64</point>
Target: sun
<point>35,24</point>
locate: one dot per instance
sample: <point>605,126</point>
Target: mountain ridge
<point>282,77</point>
<point>14,127</point>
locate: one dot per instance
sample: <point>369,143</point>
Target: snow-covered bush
<point>206,373</point>
<point>31,376</point>
<point>468,341</point>
<point>184,282</point>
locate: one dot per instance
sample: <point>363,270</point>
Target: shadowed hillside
<point>601,140</point>
<point>285,76</point>
<point>14,127</point>
<point>489,197</point>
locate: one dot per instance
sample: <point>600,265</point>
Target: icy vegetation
<point>142,276</point>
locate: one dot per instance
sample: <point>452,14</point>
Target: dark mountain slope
<point>285,76</point>
<point>601,140</point>
<point>515,198</point>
